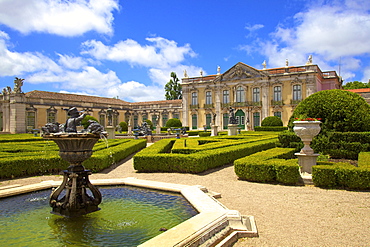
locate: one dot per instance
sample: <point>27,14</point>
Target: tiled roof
<point>159,102</point>
<point>359,90</point>
<point>94,99</point>
<point>73,97</point>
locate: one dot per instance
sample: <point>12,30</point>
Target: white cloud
<point>334,31</point>
<point>160,54</point>
<point>162,76</point>
<point>16,63</point>
<point>133,91</point>
<point>71,62</point>
<point>65,18</point>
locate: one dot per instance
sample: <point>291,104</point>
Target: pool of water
<point>129,216</point>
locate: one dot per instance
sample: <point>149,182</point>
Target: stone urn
<point>307,130</point>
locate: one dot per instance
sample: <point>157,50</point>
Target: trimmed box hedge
<point>157,157</point>
<point>42,157</point>
<point>269,166</point>
<point>343,175</point>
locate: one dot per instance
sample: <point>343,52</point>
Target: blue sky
<point>128,49</point>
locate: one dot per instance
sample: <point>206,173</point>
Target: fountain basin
<point>214,224</point>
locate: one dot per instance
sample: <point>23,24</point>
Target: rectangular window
<point>208,97</point>
<point>256,94</point>
<point>240,94</point>
<point>225,97</point>
<point>194,98</point>
<point>225,120</point>
<point>31,120</point>
<point>136,122</point>
<point>208,120</point>
<point>297,95</point>
<point>51,117</point>
<point>256,119</point>
<point>164,119</point>
<point>277,114</point>
<point>102,119</point>
<point>277,93</point>
<point>154,120</point>
<point>194,121</point>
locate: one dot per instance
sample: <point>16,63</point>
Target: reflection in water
<point>128,216</point>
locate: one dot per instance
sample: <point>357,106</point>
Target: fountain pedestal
<point>75,148</point>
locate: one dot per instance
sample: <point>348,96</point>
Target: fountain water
<point>75,148</point>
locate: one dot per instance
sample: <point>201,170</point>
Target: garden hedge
<point>269,166</point>
<point>41,157</point>
<point>343,175</point>
<point>157,157</point>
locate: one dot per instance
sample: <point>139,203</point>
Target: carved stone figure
<point>50,128</point>
<point>214,118</point>
<point>94,127</point>
<point>18,83</point>
<point>232,119</point>
<point>74,120</point>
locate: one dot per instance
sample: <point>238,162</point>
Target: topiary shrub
<point>339,110</point>
<point>272,121</point>
<point>123,126</point>
<point>85,120</point>
<point>149,123</point>
<point>173,122</point>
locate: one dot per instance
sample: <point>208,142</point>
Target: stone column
<point>17,113</point>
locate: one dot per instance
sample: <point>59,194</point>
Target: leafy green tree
<point>173,88</point>
<point>355,85</point>
<point>339,110</point>
<point>123,126</point>
<point>173,122</point>
<point>272,121</point>
<point>149,123</point>
<point>85,120</point>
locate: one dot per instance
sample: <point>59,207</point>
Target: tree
<point>272,121</point>
<point>123,126</point>
<point>173,122</point>
<point>355,85</point>
<point>339,110</point>
<point>173,88</point>
<point>85,120</point>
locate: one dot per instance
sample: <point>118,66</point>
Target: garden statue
<point>74,120</point>
<point>214,118</point>
<point>232,119</point>
<point>18,83</point>
<point>74,147</point>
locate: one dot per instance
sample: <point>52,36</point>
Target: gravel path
<point>285,215</point>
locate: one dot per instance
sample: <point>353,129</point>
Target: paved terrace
<point>285,215</point>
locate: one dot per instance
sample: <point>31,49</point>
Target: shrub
<point>272,121</point>
<point>269,166</point>
<point>270,128</point>
<point>85,120</point>
<point>339,110</point>
<point>149,123</point>
<point>203,134</point>
<point>173,122</point>
<point>123,126</point>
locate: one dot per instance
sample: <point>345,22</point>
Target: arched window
<point>208,120</point>
<point>225,120</point>
<point>239,94</point>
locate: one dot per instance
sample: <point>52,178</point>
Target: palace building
<point>253,94</point>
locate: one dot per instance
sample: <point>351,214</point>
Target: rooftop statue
<point>18,83</point>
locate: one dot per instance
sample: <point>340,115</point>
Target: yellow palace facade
<point>253,94</point>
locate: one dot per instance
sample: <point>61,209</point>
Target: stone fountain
<point>74,147</point>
